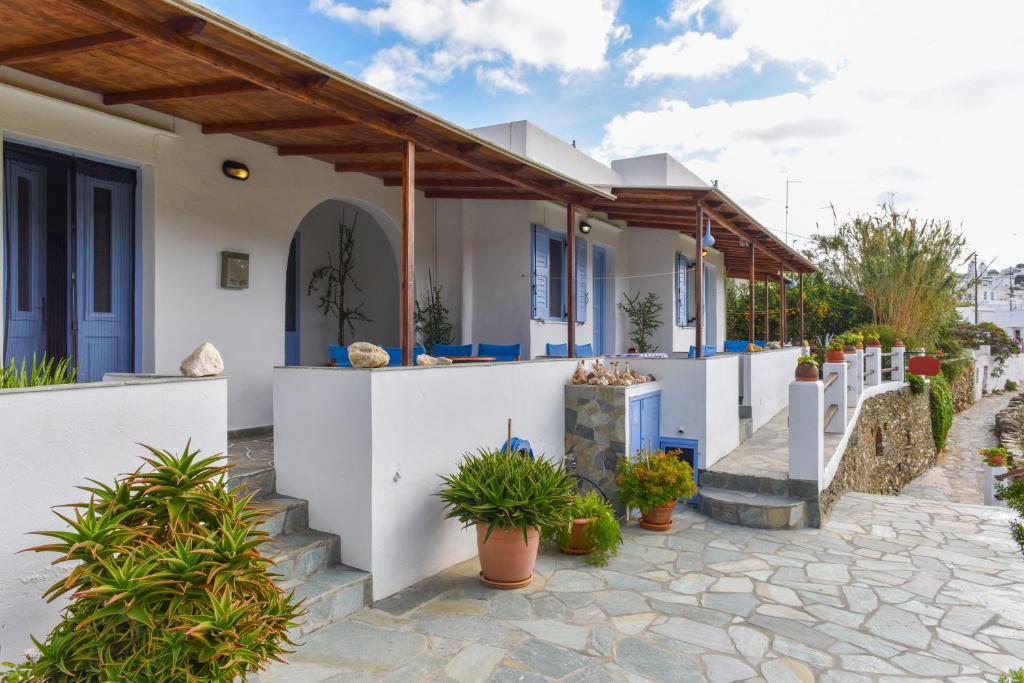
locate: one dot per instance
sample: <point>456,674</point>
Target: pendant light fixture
<point>709,239</point>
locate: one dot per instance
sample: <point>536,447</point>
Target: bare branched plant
<point>331,281</point>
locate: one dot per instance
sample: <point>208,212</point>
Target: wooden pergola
<point>750,250</point>
<point>183,60</point>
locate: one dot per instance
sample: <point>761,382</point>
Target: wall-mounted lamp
<point>709,239</point>
<point>235,170</point>
<point>585,227</point>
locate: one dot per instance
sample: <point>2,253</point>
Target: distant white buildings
<point>1000,298</point>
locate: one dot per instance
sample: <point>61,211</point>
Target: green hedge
<point>941,402</point>
<point>954,368</point>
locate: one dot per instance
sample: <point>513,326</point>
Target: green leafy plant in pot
<point>167,582</point>
<point>590,529</point>
<point>806,369</point>
<point>510,499</point>
<point>654,483</point>
<point>835,352</point>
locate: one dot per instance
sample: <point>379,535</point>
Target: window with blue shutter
<point>581,280</point>
<point>682,264</point>
<point>541,272</point>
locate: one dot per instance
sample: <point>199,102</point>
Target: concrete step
<point>330,595</point>
<point>744,482</point>
<point>303,554</point>
<point>245,479</point>
<point>756,510</point>
<point>287,515</point>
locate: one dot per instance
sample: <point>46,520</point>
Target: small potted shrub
<point>835,352</point>
<point>806,369</point>
<point>997,457</point>
<point>167,582</point>
<point>873,339</point>
<point>590,529</point>
<point>510,498</point>
<point>655,483</point>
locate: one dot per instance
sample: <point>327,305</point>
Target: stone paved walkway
<point>891,589</point>
<point>959,474</point>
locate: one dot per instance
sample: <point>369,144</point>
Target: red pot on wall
<point>806,373</point>
<point>835,356</point>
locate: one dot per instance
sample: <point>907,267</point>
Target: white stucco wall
<point>54,438</point>
<point>766,377</point>
<point>190,213</point>
<point>365,448</point>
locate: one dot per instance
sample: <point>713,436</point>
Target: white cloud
<point>568,36</point>
<point>918,98</point>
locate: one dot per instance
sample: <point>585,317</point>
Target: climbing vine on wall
<point>941,402</point>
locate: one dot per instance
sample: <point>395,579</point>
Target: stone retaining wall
<point>891,444</point>
<point>1010,424</point>
<point>962,389</point>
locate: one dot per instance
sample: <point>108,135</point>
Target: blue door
<point>600,268</point>
<point>291,305</point>
<point>644,423</point>
<point>25,249</point>
<point>104,277</point>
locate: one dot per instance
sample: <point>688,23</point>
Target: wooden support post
<point>767,312</point>
<point>751,281</point>
<point>570,275</point>
<point>698,281</point>
<point>802,337</point>
<point>782,307</point>
<point>408,250</point>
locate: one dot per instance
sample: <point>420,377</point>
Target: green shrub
<point>644,317</point>
<point>1013,495</point>
<point>1014,676</point>
<point>168,583</point>
<point>654,479</point>
<point>941,402</point>
<point>1011,385</point>
<point>45,371</point>
<point>917,383</point>
<point>602,537</point>
<point>954,368</point>
<point>807,360</point>
<point>888,335</point>
<point>507,492</point>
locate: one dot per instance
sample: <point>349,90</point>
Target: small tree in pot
<point>645,317</point>
<point>509,498</point>
<point>654,483</point>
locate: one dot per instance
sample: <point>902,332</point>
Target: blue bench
<point>339,354</point>
<point>562,350</point>
<point>736,345</point>
<point>395,354</point>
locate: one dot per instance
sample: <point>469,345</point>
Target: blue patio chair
<point>503,353</point>
<point>708,351</point>
<point>759,342</point>
<point>452,350</point>
<point>339,354</point>
<point>584,350</point>
<point>736,345</point>
<point>558,350</point>
<point>395,353</point>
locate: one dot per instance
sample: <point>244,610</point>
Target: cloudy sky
<point>858,100</point>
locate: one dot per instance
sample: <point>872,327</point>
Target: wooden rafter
<point>340,150</point>
<point>395,167</point>
<point>464,194</point>
<point>277,124</point>
<point>448,183</point>
<point>229,87</point>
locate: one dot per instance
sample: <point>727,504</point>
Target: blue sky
<point>749,92</point>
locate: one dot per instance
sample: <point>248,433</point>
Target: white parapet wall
<point>765,378</point>
<point>365,448</point>
<point>54,439</point>
<point>699,401</point>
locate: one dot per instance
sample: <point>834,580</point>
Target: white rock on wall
<point>205,361</point>
<point>367,355</point>
<point>424,359</point>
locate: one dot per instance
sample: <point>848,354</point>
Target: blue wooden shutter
<point>581,280</point>
<point>541,272</point>
<point>681,265</point>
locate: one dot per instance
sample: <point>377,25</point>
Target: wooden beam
<point>451,183</point>
<point>392,167</point>
<point>339,150</point>
<point>279,124</point>
<point>154,32</point>
<point>655,193</point>
<point>734,229</point>
<point>228,87</point>
<point>185,26</point>
<point>408,251</point>
<point>472,194</point>
<point>570,275</point>
<point>698,281</point>
<point>767,313</point>
<point>782,307</point>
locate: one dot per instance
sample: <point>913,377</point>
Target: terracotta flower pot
<point>806,373</point>
<point>860,345</point>
<point>849,348</point>
<point>995,460</point>
<point>659,518</point>
<point>874,343</point>
<point>578,542</point>
<point>899,343</point>
<point>835,356</point>
<point>505,560</point>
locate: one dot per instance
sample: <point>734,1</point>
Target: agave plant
<point>168,581</point>
<point>44,371</point>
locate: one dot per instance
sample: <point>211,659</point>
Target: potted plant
<point>510,498</point>
<point>590,529</point>
<point>997,457</point>
<point>806,369</point>
<point>655,483</point>
<point>849,340</point>
<point>899,343</point>
<point>873,339</point>
<point>835,352</point>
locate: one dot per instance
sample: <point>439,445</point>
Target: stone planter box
<point>597,428</point>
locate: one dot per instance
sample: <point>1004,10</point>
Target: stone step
<point>303,554</point>
<point>756,510</point>
<point>247,478</point>
<point>744,482</point>
<point>287,515</point>
<point>330,595</point>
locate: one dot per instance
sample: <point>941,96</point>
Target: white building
<point>996,297</point>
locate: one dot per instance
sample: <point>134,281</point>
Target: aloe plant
<point>167,584</point>
<point>45,371</point>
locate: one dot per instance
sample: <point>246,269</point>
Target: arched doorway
<point>308,330</point>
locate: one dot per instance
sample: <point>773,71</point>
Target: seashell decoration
<point>611,374</point>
